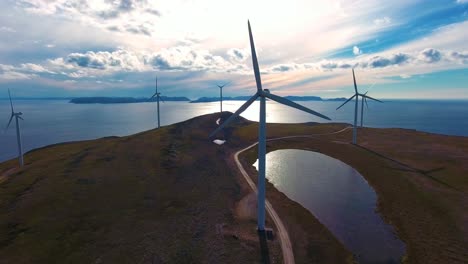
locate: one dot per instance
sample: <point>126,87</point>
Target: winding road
<point>285,241</point>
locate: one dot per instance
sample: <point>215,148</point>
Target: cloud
<point>379,22</point>
<point>23,72</point>
<point>238,54</point>
<point>430,55</point>
<point>153,12</point>
<point>283,68</point>
<point>13,76</point>
<point>9,73</point>
<point>462,1</point>
<point>7,29</point>
<point>328,65</point>
<point>399,59</point>
<point>405,76</point>
<point>381,61</point>
<point>356,50</point>
<point>31,67</point>
<point>460,56</point>
<point>132,15</point>
<point>179,58</point>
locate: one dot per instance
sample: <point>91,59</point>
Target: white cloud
<point>180,58</point>
<point>12,75</point>
<point>356,50</point>
<point>462,1</point>
<point>130,16</point>
<point>405,76</point>
<point>7,29</point>
<point>31,67</point>
<point>380,22</point>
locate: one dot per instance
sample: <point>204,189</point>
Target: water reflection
<point>339,197</point>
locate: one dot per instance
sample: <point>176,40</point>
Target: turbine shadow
<point>409,168</point>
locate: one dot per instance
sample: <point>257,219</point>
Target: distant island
<point>244,98</point>
<point>123,100</point>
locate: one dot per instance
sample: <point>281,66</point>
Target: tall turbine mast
<point>221,95</point>
<point>18,132</point>
<point>364,100</point>
<point>158,97</point>
<point>262,94</point>
<point>356,94</point>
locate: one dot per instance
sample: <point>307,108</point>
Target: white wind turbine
<point>262,94</point>
<point>221,95</point>
<point>356,94</point>
<point>18,134</point>
<point>158,97</point>
<point>364,100</point>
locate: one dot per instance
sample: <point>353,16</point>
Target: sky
<point>399,49</point>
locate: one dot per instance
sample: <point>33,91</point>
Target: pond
<point>340,198</point>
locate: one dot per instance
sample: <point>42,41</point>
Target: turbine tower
<point>356,94</point>
<point>262,94</point>
<point>221,95</point>
<point>158,97</point>
<point>18,134</point>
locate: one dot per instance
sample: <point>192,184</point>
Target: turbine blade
<point>365,101</point>
<point>346,102</point>
<point>11,103</point>
<point>254,60</point>
<point>9,122</point>
<point>236,114</point>
<point>153,96</point>
<point>366,96</point>
<point>20,118</point>
<point>160,98</point>
<point>287,102</point>
<point>354,79</point>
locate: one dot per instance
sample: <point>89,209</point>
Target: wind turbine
<point>262,94</point>
<point>356,94</point>
<point>18,135</point>
<point>221,95</point>
<point>364,100</point>
<point>158,97</point>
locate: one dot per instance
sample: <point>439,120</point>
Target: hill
<point>172,196</point>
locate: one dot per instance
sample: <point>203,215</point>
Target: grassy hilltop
<point>170,195</point>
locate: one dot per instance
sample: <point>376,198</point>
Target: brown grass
<point>170,195</point>
<point>154,197</point>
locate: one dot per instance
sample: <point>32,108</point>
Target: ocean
<point>53,121</point>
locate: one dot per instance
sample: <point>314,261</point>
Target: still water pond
<point>340,198</point>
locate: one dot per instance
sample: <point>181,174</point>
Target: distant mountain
<point>244,98</point>
<point>123,100</point>
<point>336,99</point>
<point>215,99</point>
